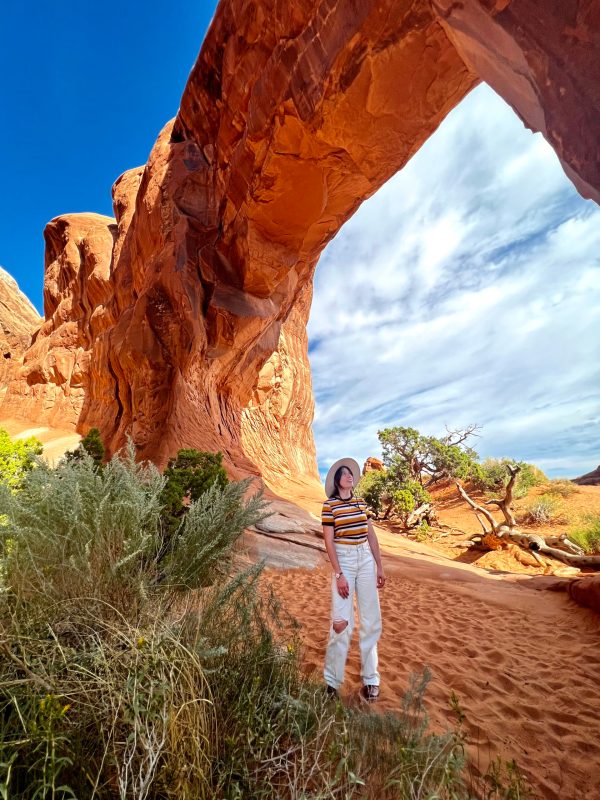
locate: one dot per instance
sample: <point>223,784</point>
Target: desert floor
<point>523,660</point>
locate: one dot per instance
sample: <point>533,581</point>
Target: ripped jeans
<point>358,565</point>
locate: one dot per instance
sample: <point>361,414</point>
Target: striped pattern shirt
<point>348,519</point>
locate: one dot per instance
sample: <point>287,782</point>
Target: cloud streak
<point>464,291</point>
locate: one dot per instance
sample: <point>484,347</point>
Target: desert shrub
<point>543,509</point>
<point>187,477</point>
<point>586,533</point>
<point>372,488</point>
<point>492,476</point>
<point>116,683</point>
<point>91,445</point>
<point>386,493</point>
<point>17,458</point>
<point>79,537</point>
<point>423,531</point>
<point>562,487</point>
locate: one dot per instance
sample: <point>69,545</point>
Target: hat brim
<point>343,462</point>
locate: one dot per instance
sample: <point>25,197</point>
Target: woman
<point>354,554</point>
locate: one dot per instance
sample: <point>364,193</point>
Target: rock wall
<point>18,322</point>
<point>293,114</point>
<point>50,385</point>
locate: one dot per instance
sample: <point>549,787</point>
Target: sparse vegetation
<point>586,533</point>
<point>492,476</point>
<point>542,510</point>
<point>562,487</point>
<point>128,671</point>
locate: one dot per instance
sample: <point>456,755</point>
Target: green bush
<point>492,476</point>
<point>543,509</point>
<point>372,487</point>
<point>91,444</point>
<point>587,533</point>
<point>116,683</point>
<point>187,477</point>
<point>17,458</point>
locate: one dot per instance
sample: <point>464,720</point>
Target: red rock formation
<point>372,464</point>
<point>293,114</point>
<point>543,58</point>
<point>18,321</point>
<point>52,381</point>
<point>586,591</point>
<point>590,478</point>
<point>288,121</point>
<point>276,424</point>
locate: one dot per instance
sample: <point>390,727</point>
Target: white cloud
<point>464,291</point>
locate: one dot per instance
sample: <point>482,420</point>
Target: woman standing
<point>354,554</point>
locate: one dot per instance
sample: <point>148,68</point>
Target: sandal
<point>369,694</point>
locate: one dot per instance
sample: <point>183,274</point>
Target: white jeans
<point>358,565</point>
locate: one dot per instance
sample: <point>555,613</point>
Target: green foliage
<point>187,477</point>
<point>90,446</point>
<point>544,509</point>
<point>385,493</point>
<point>17,458</point>
<point>414,457</point>
<point>492,476</point>
<point>587,533</point>
<point>422,531</point>
<point>372,487</point>
<point>115,683</point>
<point>93,445</point>
<point>77,536</point>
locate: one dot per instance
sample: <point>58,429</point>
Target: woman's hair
<point>337,478</point>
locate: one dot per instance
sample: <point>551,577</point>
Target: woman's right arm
<point>341,582</point>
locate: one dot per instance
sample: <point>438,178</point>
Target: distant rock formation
<point>590,478</point>
<point>181,323</point>
<point>372,464</point>
<point>18,321</point>
<point>50,385</point>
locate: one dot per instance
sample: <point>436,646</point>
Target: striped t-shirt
<point>348,518</point>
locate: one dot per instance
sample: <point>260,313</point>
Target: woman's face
<point>346,479</point>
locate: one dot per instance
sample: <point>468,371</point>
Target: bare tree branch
<point>474,505</point>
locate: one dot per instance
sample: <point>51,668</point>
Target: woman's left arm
<point>374,545</point>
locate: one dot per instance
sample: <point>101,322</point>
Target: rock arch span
<point>293,114</point>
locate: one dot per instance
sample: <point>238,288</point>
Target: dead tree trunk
<point>559,547</point>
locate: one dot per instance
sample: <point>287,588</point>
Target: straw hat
<point>343,462</point>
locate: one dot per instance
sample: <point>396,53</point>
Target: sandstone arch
<point>293,114</point>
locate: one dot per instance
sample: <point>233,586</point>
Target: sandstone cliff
<point>18,321</point>
<point>50,385</point>
<point>590,478</point>
<point>186,325</point>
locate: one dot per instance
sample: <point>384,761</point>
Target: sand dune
<point>524,663</point>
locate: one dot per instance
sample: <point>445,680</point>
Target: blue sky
<point>86,88</point>
<point>466,290</point>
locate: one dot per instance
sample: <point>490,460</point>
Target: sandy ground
<point>56,441</point>
<point>524,661</point>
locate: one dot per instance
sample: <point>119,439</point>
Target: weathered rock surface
<point>292,115</point>
<point>372,464</point>
<point>586,592</point>
<point>18,322</point>
<point>543,58</point>
<point>590,478</point>
<point>51,383</point>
